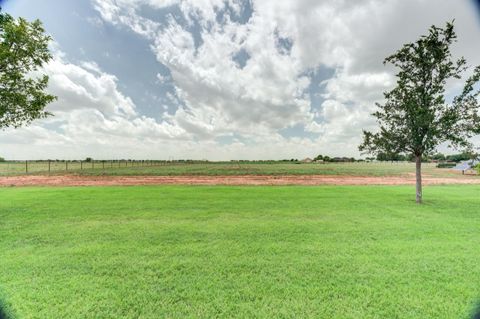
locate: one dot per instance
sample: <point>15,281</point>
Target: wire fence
<point>58,166</point>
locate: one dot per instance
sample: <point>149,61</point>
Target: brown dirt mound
<point>75,180</point>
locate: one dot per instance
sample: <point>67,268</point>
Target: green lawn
<point>189,252</point>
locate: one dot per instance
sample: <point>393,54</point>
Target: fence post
<point>103,164</point>
<point>81,165</point>
<point>66,166</point>
<point>48,166</point>
<point>26,167</point>
<point>93,163</point>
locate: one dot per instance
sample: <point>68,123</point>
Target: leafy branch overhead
<point>23,51</point>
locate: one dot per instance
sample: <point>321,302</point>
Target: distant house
<point>307,160</point>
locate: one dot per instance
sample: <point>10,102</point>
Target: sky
<point>222,79</point>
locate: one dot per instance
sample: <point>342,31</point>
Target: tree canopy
<point>23,51</point>
<point>415,117</point>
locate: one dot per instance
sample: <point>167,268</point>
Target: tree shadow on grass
<point>476,312</point>
<point>4,313</point>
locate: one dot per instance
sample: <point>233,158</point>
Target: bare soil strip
<point>75,180</point>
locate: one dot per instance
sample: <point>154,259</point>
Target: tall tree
<point>23,51</point>
<point>415,117</point>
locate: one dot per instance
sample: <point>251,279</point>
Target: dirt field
<point>75,180</point>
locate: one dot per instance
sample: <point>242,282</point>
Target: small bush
<point>446,165</point>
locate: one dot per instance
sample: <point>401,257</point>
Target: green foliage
<point>239,252</point>
<point>89,160</point>
<point>334,159</point>
<point>391,157</point>
<point>415,118</point>
<point>23,51</point>
<point>2,159</point>
<point>464,156</point>
<point>446,165</point>
<point>438,157</point>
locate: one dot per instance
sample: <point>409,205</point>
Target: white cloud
<point>86,86</point>
<point>162,78</point>
<point>266,95</point>
<point>89,115</point>
<point>269,93</point>
<point>215,96</point>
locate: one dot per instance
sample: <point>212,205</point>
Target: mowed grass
<point>263,252</point>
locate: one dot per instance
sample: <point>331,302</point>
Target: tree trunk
<point>418,175</point>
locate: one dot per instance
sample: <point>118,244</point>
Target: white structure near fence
<point>466,165</point>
